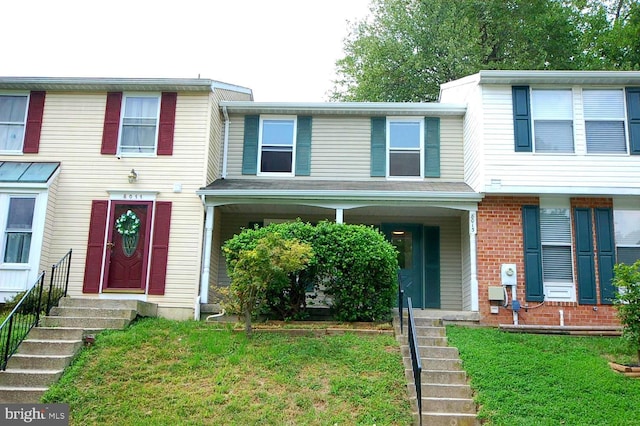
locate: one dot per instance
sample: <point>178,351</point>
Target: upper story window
<point>277,145</point>
<point>404,146</point>
<point>627,235</point>
<point>13,116</point>
<point>557,265</point>
<point>552,114</point>
<point>604,117</point>
<point>18,230</point>
<point>139,126</point>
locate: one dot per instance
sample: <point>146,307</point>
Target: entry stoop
<point>447,399</point>
<point>51,346</point>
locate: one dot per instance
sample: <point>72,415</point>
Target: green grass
<point>161,372</point>
<point>525,379</point>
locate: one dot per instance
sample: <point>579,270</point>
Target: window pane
<point>555,226</point>
<point>603,104</point>
<point>627,227</point>
<point>11,136</point>
<point>606,136</point>
<point>404,163</point>
<point>403,242</point>
<point>138,139</point>
<point>276,161</point>
<point>553,136</point>
<point>404,134</point>
<point>17,247</point>
<point>20,213</point>
<point>628,255</point>
<point>277,132</point>
<point>552,105</point>
<point>141,107</point>
<point>556,264</point>
<point>13,109</point>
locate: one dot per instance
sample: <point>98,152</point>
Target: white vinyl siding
<point>557,265</point>
<point>627,235</point>
<point>552,114</point>
<point>13,117</point>
<point>604,115</point>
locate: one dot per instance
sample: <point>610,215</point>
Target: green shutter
<point>534,290</point>
<point>584,254</point>
<point>432,266</point>
<point>606,253</point>
<point>432,147</point>
<point>303,147</point>
<point>250,147</point>
<point>521,119</point>
<point>378,146</point>
<point>633,114</point>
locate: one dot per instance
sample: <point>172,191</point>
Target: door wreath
<point>128,225</point>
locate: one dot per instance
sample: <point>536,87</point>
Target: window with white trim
<point>404,147</point>
<point>18,230</point>
<point>627,234</point>
<point>557,264</point>
<point>604,119</point>
<point>139,124</point>
<point>13,116</point>
<point>552,113</point>
<point>277,145</point>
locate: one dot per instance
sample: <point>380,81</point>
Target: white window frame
<point>624,120</point>
<point>388,149</point>
<point>123,106</point>
<point>534,118</point>
<point>293,118</point>
<point>558,291</point>
<point>6,230</point>
<point>617,226</point>
<point>24,122</point>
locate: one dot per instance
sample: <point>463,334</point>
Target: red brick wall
<point>499,240</point>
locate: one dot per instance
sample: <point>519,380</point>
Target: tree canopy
<point>405,49</point>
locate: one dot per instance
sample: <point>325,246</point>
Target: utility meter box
<point>508,274</point>
<point>496,292</point>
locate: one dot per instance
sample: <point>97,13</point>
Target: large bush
<point>353,264</point>
<point>627,300</point>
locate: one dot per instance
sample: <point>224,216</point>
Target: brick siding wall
<point>499,240</point>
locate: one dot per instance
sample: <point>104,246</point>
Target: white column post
<point>473,254</point>
<point>339,215</point>
<point>206,254</point>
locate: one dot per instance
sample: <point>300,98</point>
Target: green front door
<point>407,239</point>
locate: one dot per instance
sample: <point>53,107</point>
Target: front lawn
<point>527,379</point>
<point>161,372</point>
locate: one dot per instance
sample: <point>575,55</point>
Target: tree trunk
<point>247,322</point>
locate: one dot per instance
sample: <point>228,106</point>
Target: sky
<point>284,50</point>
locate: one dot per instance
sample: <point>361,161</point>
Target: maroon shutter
<point>95,246</point>
<point>34,123</point>
<point>160,247</point>
<point>167,123</point>
<point>111,123</point>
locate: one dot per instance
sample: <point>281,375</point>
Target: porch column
<point>339,215</point>
<point>473,253</point>
<point>206,254</point>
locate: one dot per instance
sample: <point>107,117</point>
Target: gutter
<point>225,152</point>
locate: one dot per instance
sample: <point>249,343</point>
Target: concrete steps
<point>447,399</point>
<point>51,346</point>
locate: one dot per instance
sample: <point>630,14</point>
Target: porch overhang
<point>334,194</point>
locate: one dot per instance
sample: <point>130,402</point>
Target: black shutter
<point>606,253</point>
<point>521,119</point>
<point>584,254</point>
<point>534,290</point>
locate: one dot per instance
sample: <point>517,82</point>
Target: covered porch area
<point>432,225</point>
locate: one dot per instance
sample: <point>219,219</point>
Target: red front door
<point>128,246</point>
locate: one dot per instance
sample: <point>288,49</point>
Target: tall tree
<point>406,48</point>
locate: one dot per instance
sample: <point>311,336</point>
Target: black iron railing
<point>416,362</point>
<point>400,303</point>
<point>39,299</point>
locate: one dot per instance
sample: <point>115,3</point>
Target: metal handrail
<point>26,314</point>
<point>416,362</point>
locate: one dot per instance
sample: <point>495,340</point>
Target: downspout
<point>225,149</point>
